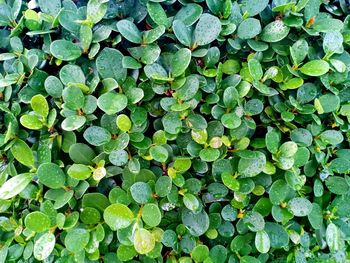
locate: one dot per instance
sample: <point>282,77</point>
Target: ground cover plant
<point>174,131</point>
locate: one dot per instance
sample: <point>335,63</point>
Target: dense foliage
<point>174,131</point>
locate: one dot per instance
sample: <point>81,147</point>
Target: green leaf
<point>118,216</point>
<point>156,72</point>
<point>298,51</point>
<point>96,10</point>
<point>159,153</point>
<point>230,181</point>
<point>328,103</point>
<point>79,171</point>
<point>182,33</point>
<point>96,135</point>
<point>151,215</point>
<point>196,223</point>
<point>300,206</point>
<point>301,157</point>
<point>338,65</point>
<point>90,215</point>
<point>191,202</point>
<point>253,107</point>
<point>141,192</point>
<point>15,185</point>
<point>39,105</point>
<point>182,164</point>
<point>213,129</point>
<point>278,236</point>
<point>163,186</point>
<point>71,74</point>
<point>152,35</point>
<point>340,165</point>
<point>200,253</point>
<point>125,253</point>
<point>172,123</point>
<point>231,120</point>
<point>215,6</point>
<point>144,241</point>
<point>119,157</point>
<point>32,20</point>
<point>189,13</point>
<point>262,241</point>
<point>44,246</point>
<point>68,17</point>
<point>129,62</point>
<point>85,36</point>
<point>318,188</point>
<point>306,93</point>
<point>254,221</point>
<point>81,153</point>
<point>53,86</point>
<point>146,54</point>
<point>250,167</point>
<point>180,62</point>
<point>77,239</point>
<point>231,67</point>
<point>331,137</point>
<point>255,69</point>
<point>333,237</point>
<point>129,31</point>
<point>293,83</point>
<point>95,200</point>
<point>3,253</point>
<point>315,68</point>
<point>22,153</point>
<point>209,154</point>
<point>109,64</point>
<point>337,185</point>
<point>157,13</point>
<point>73,122</point>
<point>253,8</point>
<point>7,56</point>
<point>50,7</point>
<point>327,24</point>
<point>112,102</point>
<point>316,216</point>
<point>230,97</point>
<point>65,50</point>
<point>37,222</point>
<point>51,175</point>
<point>274,31</point>
<point>123,122</point>
<point>249,259</point>
<point>207,30</point>
<point>249,28</point>
<point>31,122</point>
<point>288,149</point>
<point>302,137</point>
<point>333,43</point>
<point>189,89</point>
<point>73,98</point>
<point>278,192</point>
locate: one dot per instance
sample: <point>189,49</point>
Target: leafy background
<point>174,131</point>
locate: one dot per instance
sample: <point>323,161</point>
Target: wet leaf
<point>300,206</point>
<point>15,185</point>
<point>44,246</point>
<point>315,68</point>
<point>118,216</point>
<point>51,175</point>
<point>207,29</point>
<point>65,50</point>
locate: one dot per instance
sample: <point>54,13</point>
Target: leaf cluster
<point>174,131</point>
